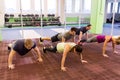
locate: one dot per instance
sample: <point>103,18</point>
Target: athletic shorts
<point>55,38</point>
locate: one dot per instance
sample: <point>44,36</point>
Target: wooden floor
<point>97,68</point>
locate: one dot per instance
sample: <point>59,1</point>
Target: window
<point>38,5</point>
<point>51,6</point>
<point>87,6</point>
<point>10,6</point>
<point>26,5</point>
<point>68,6</point>
<point>77,6</point>
<point>112,7</point>
<point>108,8</point>
<point>116,6</point>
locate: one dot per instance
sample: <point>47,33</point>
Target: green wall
<point>72,19</point>
<point>97,15</point>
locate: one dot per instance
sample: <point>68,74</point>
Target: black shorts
<point>55,38</point>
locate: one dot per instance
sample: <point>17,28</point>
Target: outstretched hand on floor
<point>63,68</point>
<point>40,60</point>
<point>105,55</point>
<point>84,61</point>
<point>12,66</point>
<point>116,52</point>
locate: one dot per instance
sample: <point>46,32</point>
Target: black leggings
<point>92,39</point>
<point>89,40</point>
<point>55,38</point>
<point>51,49</point>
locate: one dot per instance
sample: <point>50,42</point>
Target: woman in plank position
<point>65,48</point>
<point>103,39</point>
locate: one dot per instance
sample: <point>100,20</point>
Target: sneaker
<point>83,40</point>
<point>41,39</point>
<point>9,48</point>
<point>44,50</point>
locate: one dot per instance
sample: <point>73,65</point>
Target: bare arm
<point>73,39</point>
<point>63,39</point>
<point>86,35</point>
<point>80,36</point>
<point>38,54</point>
<point>65,52</point>
<point>104,46</point>
<point>10,58</point>
<point>113,45</point>
<point>82,60</point>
